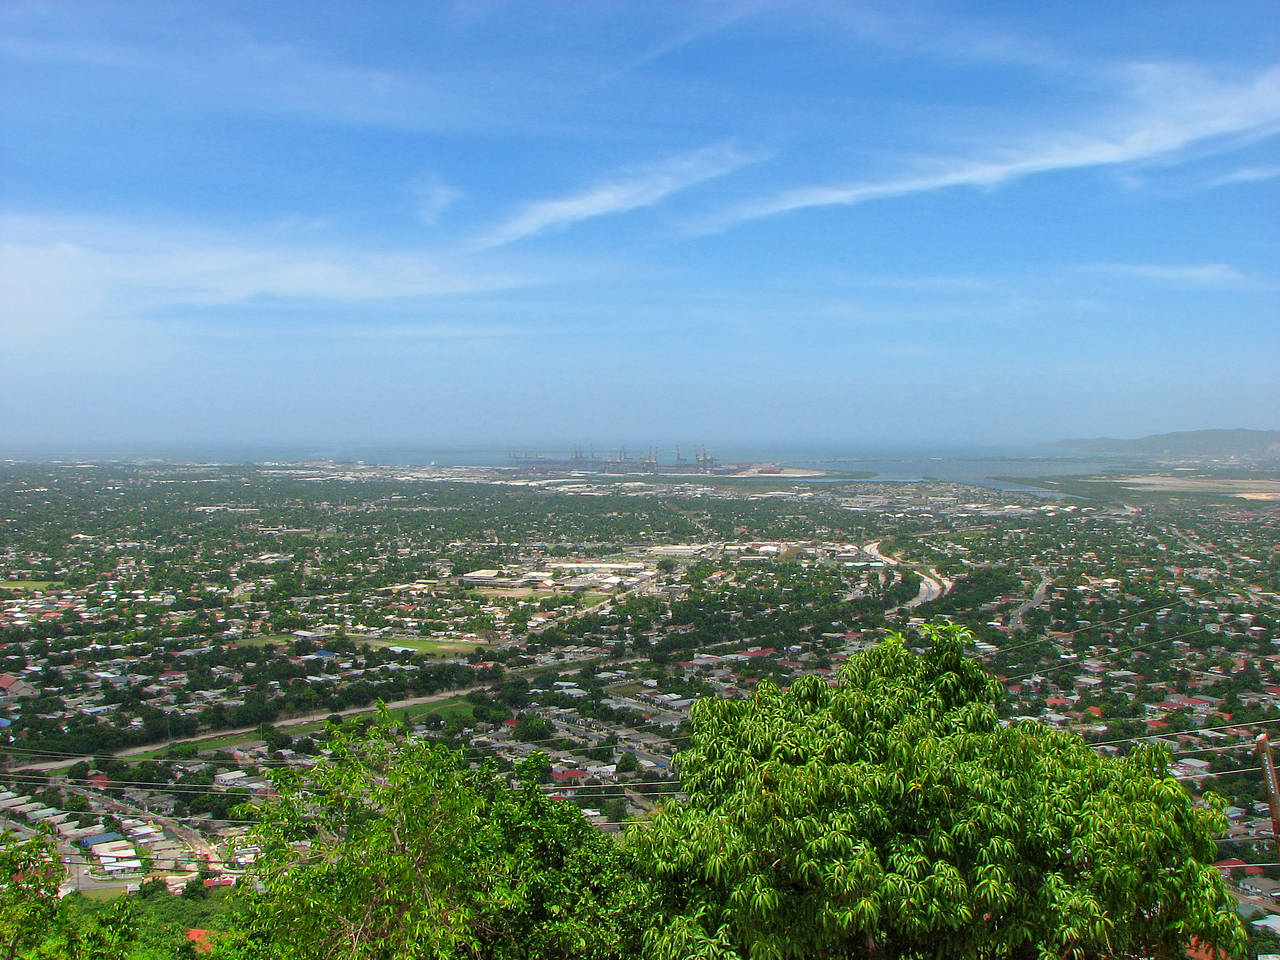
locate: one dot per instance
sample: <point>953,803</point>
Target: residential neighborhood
<point>173,634</point>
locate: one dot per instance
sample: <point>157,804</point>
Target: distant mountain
<point>1189,445</point>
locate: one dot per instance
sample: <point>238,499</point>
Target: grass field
<point>208,745</point>
<point>590,598</point>
<point>629,689</point>
<point>456,708</point>
<point>279,639</point>
<point>437,648</point>
<point>27,586</point>
<point>1159,489</point>
<point>103,894</point>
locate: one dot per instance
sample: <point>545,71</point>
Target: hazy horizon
<point>751,225</point>
<point>830,453</point>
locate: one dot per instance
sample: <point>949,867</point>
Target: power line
<point>1218,773</point>
<point>1130,649</point>
<point>1160,736</point>
<point>478,751</point>
<point>1093,626</point>
<point>1220,749</point>
<point>207,789</point>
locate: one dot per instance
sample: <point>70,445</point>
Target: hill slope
<point>1216,444</point>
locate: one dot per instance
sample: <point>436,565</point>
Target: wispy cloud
<point>68,273</point>
<point>1176,107</point>
<point>1216,275</point>
<point>198,70</point>
<point>433,196</point>
<point>636,189</point>
<point>724,18</point>
<point>919,32</point>
<point>1246,175</point>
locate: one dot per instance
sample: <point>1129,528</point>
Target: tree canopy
<point>890,815</point>
<point>394,849</point>
<point>894,815</point>
<point>36,924</point>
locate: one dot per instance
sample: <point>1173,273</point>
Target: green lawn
<point>455,708</point>
<point>279,639</point>
<point>204,745</point>
<point>103,893</point>
<point>29,585</point>
<point>438,648</point>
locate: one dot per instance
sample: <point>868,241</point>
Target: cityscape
<point>666,480</point>
<point>174,632</point>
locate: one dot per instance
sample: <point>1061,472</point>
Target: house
<point>1263,886</point>
<point>13,687</point>
<point>1269,923</point>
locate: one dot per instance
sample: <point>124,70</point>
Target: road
<point>930,589</point>
<point>74,861</point>
<point>932,584</point>
<point>564,668</point>
<point>278,724</point>
<point>192,838</point>
<point>646,587</point>
<point>1036,598</point>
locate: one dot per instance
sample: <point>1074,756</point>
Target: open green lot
<point>278,639</point>
<point>104,894</point>
<point>203,745</point>
<point>454,708</point>
<point>436,648</point>
<point>427,645</point>
<point>590,598</point>
<point>27,586</point>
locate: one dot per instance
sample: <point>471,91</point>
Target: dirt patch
<point>1247,489</point>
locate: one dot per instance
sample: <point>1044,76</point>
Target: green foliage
<point>36,925</point>
<point>30,874</point>
<point>894,816</point>
<point>110,934</point>
<point>531,728</point>
<point>397,850</point>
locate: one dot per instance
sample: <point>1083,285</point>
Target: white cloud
<point>1219,275</point>
<point>56,275</point>
<point>721,19</point>
<point>642,187</point>
<point>1246,175</point>
<point>1173,108</point>
<point>197,67</point>
<point>433,196</point>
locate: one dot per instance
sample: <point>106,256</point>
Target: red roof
<point>1198,951</point>
<point>200,939</point>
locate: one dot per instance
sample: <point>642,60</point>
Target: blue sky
<point>761,223</point>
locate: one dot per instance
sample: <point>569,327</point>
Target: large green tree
<point>394,849</point>
<point>30,873</point>
<point>36,925</point>
<point>893,815</point>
